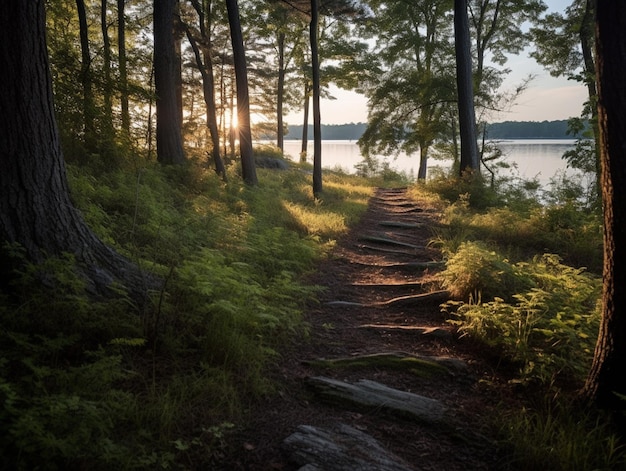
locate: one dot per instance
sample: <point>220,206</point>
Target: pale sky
<point>546,98</point>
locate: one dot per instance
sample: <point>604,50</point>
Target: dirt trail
<point>371,306</point>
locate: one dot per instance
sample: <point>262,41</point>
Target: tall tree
<point>35,207</point>
<point>317,127</point>
<point>168,132</point>
<point>248,167</point>
<point>123,73</point>
<point>89,107</point>
<point>204,61</point>
<point>606,383</point>
<point>498,29</point>
<point>464,80</point>
<point>107,87</point>
<point>409,83</point>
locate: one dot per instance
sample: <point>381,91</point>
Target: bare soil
<point>368,272</point>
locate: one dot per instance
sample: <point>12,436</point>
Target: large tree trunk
<point>317,127</point>
<point>607,377</point>
<point>467,116</point>
<point>168,132</point>
<point>248,167</point>
<point>35,208</point>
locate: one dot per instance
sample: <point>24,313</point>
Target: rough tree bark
<point>168,133</point>
<point>607,376</point>
<point>248,167</point>
<point>35,208</point>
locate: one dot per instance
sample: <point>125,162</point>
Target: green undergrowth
<point>96,384</point>
<point>561,436</point>
<point>525,276</point>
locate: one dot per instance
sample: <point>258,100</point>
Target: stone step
<point>339,448</point>
<point>375,396</point>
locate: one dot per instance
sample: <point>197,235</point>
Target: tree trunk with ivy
<point>35,207</point>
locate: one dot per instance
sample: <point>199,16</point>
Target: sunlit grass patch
<point>317,222</point>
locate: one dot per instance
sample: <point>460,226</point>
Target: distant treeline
<point>530,130</point>
<point>330,132</point>
<point>505,130</point>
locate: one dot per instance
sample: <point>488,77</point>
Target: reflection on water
<point>529,158</point>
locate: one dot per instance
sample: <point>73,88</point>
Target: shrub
<point>549,328</point>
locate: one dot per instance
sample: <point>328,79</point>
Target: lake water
<point>539,158</point>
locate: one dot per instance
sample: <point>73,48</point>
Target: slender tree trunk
<point>305,124</point>
<point>607,377</point>
<point>178,64</point>
<point>35,207</point>
<point>208,88</point>
<point>86,79</point>
<point>280,132</point>
<point>232,131</point>
<point>108,81</point>
<point>467,117</point>
<point>248,167</point>
<point>317,127</point>
<point>123,80</point>
<point>586,44</point>
<point>168,132</point>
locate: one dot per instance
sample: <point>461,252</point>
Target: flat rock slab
<point>372,395</point>
<point>339,448</point>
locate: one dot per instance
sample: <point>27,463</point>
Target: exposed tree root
<point>401,225</point>
<point>385,250</point>
<point>416,265</point>
<point>388,240</point>
<point>397,361</point>
<point>435,296</point>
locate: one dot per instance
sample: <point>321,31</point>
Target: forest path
<point>380,308</point>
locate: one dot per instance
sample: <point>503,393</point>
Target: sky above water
<point>546,98</point>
